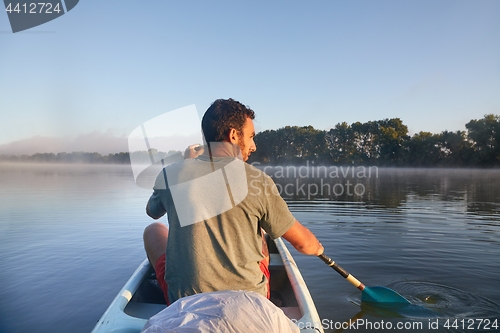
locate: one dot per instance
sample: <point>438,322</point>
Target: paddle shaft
<point>355,282</point>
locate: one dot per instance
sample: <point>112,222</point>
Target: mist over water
<point>71,235</point>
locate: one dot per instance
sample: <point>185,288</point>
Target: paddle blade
<point>381,295</point>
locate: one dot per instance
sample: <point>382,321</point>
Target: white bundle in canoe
<point>226,311</point>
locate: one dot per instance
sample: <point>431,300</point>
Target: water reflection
<point>390,187</point>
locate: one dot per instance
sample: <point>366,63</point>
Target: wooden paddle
<point>368,294</point>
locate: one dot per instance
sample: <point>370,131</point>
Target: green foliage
<point>290,144</point>
<point>383,142</point>
<point>340,144</point>
<point>484,135</point>
<point>424,150</point>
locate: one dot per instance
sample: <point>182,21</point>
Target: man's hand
<point>193,151</point>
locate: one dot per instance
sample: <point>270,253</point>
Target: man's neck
<point>222,149</point>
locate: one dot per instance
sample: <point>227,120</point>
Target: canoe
<point>140,298</point>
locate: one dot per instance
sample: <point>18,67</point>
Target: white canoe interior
<point>140,298</point>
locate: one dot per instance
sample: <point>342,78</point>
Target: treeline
<point>383,143</point>
<point>90,158</point>
<point>74,157</point>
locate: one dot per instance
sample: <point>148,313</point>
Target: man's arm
<point>303,240</point>
<point>154,208</point>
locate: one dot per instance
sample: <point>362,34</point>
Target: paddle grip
<point>334,265</point>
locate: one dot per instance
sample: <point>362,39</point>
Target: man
<point>215,238</point>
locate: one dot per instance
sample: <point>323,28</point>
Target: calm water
<point>70,237</point>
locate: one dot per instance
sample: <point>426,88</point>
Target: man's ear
<point>233,136</point>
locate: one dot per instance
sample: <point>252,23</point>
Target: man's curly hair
<point>223,115</point>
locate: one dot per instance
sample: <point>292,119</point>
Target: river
<point>71,235</point>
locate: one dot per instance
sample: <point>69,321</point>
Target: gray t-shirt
<point>216,211</point>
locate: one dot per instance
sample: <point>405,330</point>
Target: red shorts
<point>264,267</point>
<point>160,276</point>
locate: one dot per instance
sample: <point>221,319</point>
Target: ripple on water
<point>442,301</point>
<point>448,301</point>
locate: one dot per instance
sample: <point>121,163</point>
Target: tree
<point>364,142</point>
<point>455,149</point>
<point>290,144</point>
<point>340,144</point>
<point>484,135</point>
<point>267,147</point>
<point>380,142</point>
<point>424,150</point>
<point>390,141</point>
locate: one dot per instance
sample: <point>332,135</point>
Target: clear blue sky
<point>108,66</point>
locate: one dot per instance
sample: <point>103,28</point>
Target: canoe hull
<point>140,298</point>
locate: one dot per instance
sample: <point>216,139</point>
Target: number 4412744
<point>33,8</point>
